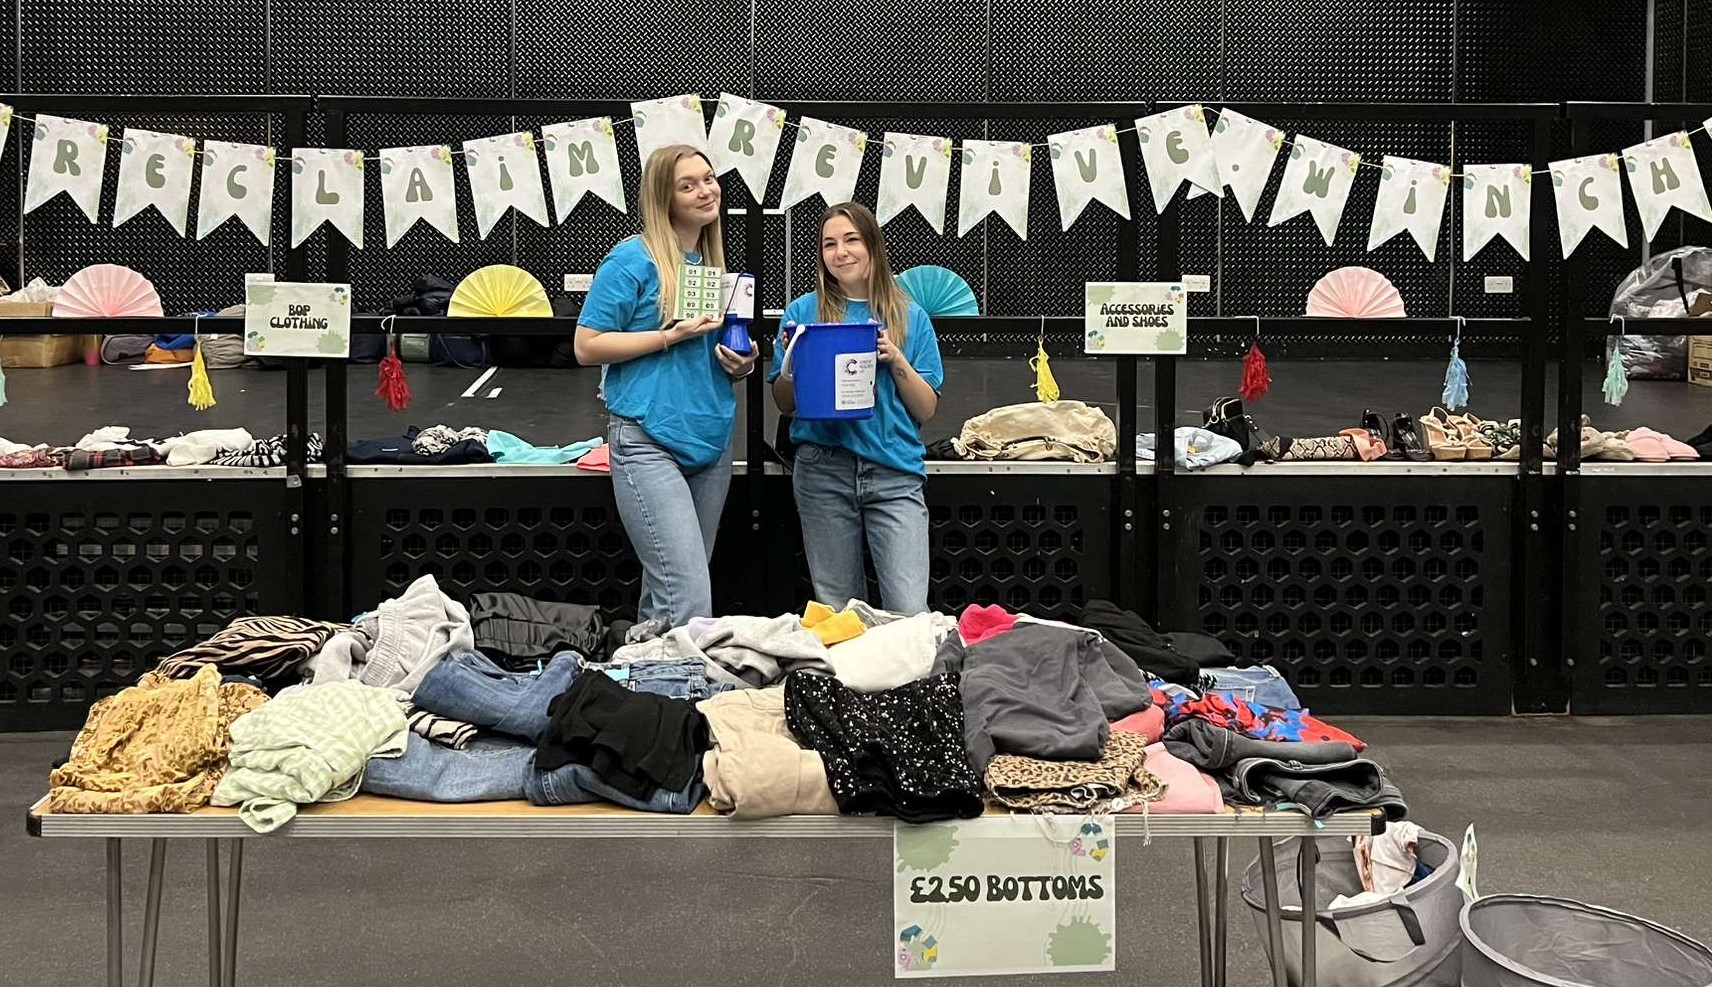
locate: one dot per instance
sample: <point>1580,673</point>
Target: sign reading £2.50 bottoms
<point>1004,895</point>
<point>291,318</point>
<point>1135,318</point>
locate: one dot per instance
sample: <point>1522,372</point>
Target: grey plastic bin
<point>1411,940</point>
<point>1515,940</point>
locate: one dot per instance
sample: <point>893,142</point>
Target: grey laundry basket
<point>1411,940</point>
<point>1515,940</point>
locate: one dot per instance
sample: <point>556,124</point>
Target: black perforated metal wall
<point>1045,553</point>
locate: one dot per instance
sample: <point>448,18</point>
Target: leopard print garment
<point>1033,785</point>
<point>158,746</point>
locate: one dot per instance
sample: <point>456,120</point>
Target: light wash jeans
<point>673,678</point>
<point>471,688</point>
<point>672,516</point>
<point>1261,685</point>
<point>842,497</point>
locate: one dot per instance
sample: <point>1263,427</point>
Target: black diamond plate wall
<point>1105,50</point>
<point>360,48</point>
<point>936,52</point>
<point>1526,50</point>
<point>1340,50</point>
<point>632,51</point>
<point>177,48</point>
<point>1696,41</point>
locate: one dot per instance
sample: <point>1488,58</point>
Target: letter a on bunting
<point>826,160</point>
<point>416,184</point>
<point>915,171</point>
<point>1316,181</point>
<point>1086,166</point>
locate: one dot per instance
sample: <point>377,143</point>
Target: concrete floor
<point>1609,811</point>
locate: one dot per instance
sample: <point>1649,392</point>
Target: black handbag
<point>1225,417</point>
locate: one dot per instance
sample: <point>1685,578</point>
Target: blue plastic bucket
<point>834,365</point>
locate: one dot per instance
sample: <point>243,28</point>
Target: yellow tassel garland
<point>201,391</point>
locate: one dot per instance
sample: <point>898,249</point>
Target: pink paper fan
<point>1355,293</point>
<point>106,291</point>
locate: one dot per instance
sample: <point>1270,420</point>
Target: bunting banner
<point>664,122</point>
<point>1412,197</point>
<point>67,156</point>
<point>505,174</point>
<point>582,157</point>
<point>416,184</point>
<point>1244,150</point>
<point>745,139</point>
<point>1589,196</point>
<point>1316,181</point>
<point>1496,201</point>
<point>1664,173</point>
<point>826,160</point>
<point>1176,148</point>
<point>995,180</point>
<point>1086,166</point>
<point>237,180</point>
<point>914,171</point>
<point>155,170</point>
<point>326,187</point>
<point>6,112</point>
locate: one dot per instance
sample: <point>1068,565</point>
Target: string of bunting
<point>580,157</point>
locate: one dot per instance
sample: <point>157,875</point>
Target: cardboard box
<point>10,309</point>
<point>43,351</point>
<point>1700,360</point>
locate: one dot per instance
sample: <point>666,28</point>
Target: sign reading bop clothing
<point>1004,895</point>
<point>287,318</point>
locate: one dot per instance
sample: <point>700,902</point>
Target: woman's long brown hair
<point>886,298</point>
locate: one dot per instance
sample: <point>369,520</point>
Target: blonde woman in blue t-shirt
<point>864,479</point>
<point>668,385</point>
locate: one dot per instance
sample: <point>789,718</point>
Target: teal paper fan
<point>939,291</point>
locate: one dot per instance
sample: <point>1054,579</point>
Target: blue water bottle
<point>739,312</point>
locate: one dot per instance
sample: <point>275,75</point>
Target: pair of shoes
<point>1468,430</point>
<point>1406,440</point>
<point>1444,439</point>
<point>1374,426</point>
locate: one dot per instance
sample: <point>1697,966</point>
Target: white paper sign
<point>1086,166</point>
<point>995,180</point>
<point>915,171</point>
<point>745,139</point>
<point>237,180</point>
<point>416,184</point>
<point>1176,148</point>
<point>1135,317</point>
<point>854,389</point>
<point>155,170</point>
<point>1316,181</point>
<point>6,112</point>
<point>738,292</point>
<point>1496,201</point>
<point>294,318</point>
<point>582,157</point>
<point>326,187</point>
<point>1245,149</point>
<point>825,159</point>
<point>1411,197</point>
<point>67,156</point>
<point>1589,194</point>
<point>664,122</point>
<point>1663,173</point>
<point>505,174</point>
<point>1004,895</point>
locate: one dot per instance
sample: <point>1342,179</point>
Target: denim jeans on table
<point>841,498</point>
<point>677,678</point>
<point>471,688</point>
<point>671,515</point>
<point>1261,685</point>
<point>577,784</point>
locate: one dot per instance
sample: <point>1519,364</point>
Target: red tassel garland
<point>1256,379</point>
<point>393,386</point>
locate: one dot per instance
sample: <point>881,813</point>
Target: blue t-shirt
<point>681,395</point>
<point>891,437</point>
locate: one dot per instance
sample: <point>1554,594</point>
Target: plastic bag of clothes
<point>1661,289</point>
<point>1042,430</point>
<point>1515,940</point>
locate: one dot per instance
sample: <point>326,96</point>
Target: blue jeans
<point>471,688</point>
<point>576,784</point>
<point>672,516</point>
<point>1261,685</point>
<point>685,679</point>
<point>842,497</point>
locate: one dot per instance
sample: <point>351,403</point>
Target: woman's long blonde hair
<point>886,299</point>
<point>659,181</point>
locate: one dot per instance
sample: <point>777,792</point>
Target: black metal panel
<point>1104,50</point>
<point>1368,596</point>
<point>1340,50</point>
<point>1696,41</point>
<point>1541,50</point>
<point>632,51</point>
<point>148,48</point>
<point>358,48</point>
<point>935,53</point>
<point>104,578</point>
<point>1641,625</point>
<point>1035,543</point>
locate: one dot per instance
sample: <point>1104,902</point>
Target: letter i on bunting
<point>582,158</point>
<point>995,179</point>
<point>1496,201</point>
<point>67,156</point>
<point>505,174</point>
<point>1663,173</point>
<point>1176,148</point>
<point>1086,167</point>
<point>326,187</point>
<point>663,122</point>
<point>1589,194</point>
<point>745,139</point>
<point>154,170</point>
<point>826,160</point>
<point>416,184</point>
<point>237,180</point>
<point>915,171</point>
<point>1316,181</point>
<point>1411,197</point>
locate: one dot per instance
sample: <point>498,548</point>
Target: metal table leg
<point>151,912</point>
<point>214,940</point>
<point>234,883</point>
<point>1221,919</point>
<point>115,915</point>
<point>1274,914</point>
<point>1203,913</point>
<point>1306,867</point>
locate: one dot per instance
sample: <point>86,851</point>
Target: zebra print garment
<point>268,648</point>
<point>264,453</point>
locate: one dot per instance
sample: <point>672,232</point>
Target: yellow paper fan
<point>500,289</point>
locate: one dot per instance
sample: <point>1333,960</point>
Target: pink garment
<point>979,623</point>
<point>1188,789</point>
<point>1150,723</point>
<point>597,460</point>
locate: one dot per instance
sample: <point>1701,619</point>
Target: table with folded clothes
<point>112,446</point>
<point>447,445</point>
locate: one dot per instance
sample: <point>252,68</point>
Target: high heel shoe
<point>1375,426</point>
<point>1445,444</point>
<point>1467,427</point>
<point>1406,440</point>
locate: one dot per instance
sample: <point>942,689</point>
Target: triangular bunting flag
<point>1086,166</point>
<point>416,183</point>
<point>664,122</point>
<point>745,139</point>
<point>155,170</point>
<point>1244,150</point>
<point>826,159</point>
<point>1316,181</point>
<point>915,171</point>
<point>1496,201</point>
<point>1589,196</point>
<point>1176,148</point>
<point>505,174</point>
<point>1663,173</point>
<point>237,180</point>
<point>995,180</point>
<point>326,187</point>
<point>67,156</point>
<point>1411,197</point>
<point>582,157</point>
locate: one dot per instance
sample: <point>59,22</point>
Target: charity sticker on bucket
<point>833,368</point>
